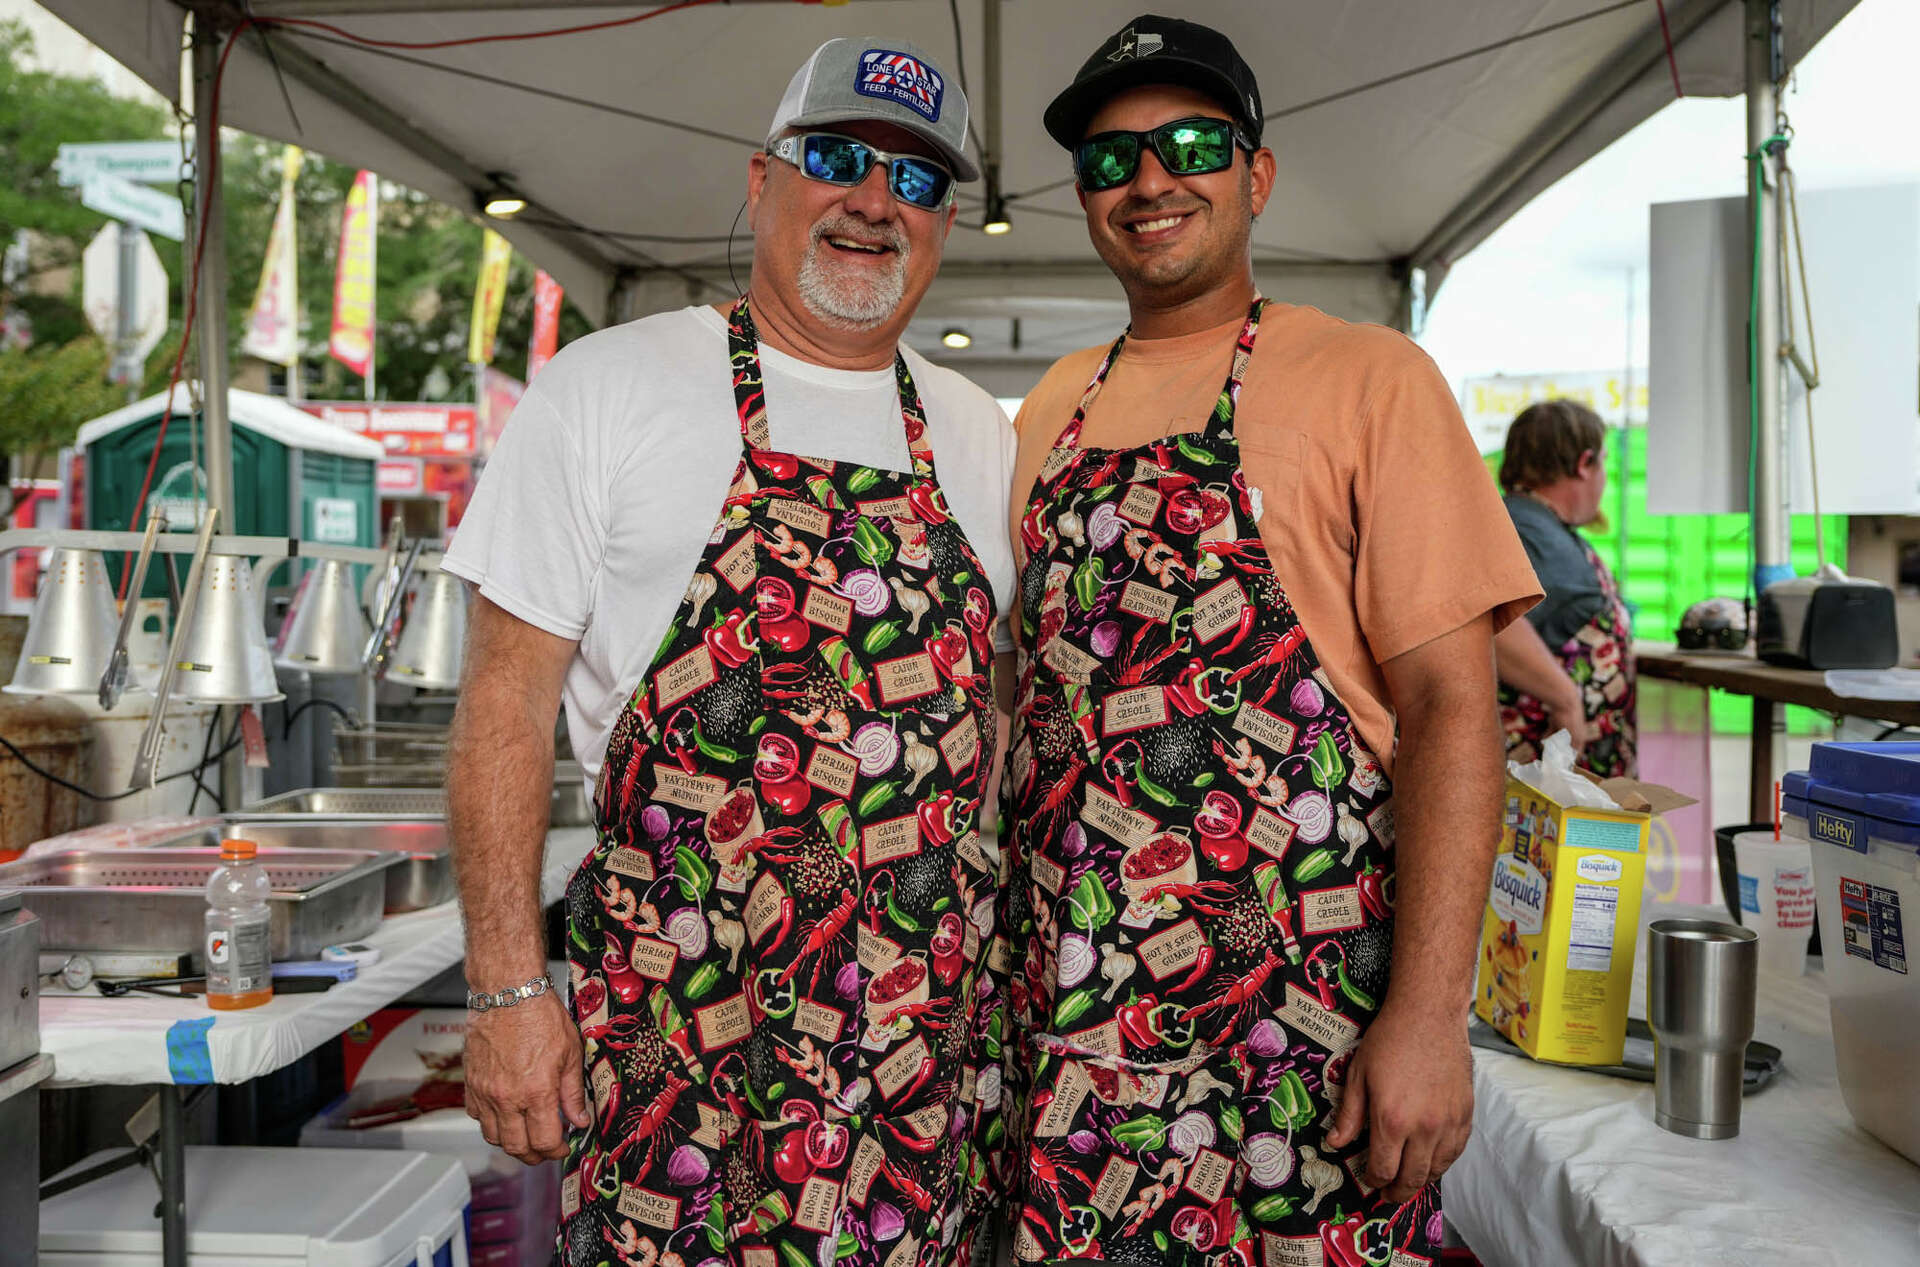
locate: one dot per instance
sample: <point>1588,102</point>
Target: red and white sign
<point>400,477</point>
<point>407,430</point>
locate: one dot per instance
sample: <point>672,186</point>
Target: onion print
<point>1200,912</point>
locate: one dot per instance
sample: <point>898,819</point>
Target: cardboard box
<point>1556,949</point>
<point>406,1045</point>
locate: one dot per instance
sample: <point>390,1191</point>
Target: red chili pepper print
<point>786,949</point>
<point>1189,803</point>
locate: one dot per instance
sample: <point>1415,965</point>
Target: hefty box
<point>1556,950</point>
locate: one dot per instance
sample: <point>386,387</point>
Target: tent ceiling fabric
<point>646,129</point>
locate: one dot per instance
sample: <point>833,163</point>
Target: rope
<point>1666,36</point>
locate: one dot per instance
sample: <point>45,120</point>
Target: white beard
<point>835,292</point>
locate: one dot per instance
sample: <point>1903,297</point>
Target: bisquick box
<point>1556,950</point>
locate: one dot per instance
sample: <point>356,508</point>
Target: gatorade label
<point>239,959</point>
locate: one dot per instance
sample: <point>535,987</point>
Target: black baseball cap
<point>1156,50</point>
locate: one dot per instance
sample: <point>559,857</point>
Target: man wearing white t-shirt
<point>661,450</point>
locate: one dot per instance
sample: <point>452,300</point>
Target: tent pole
<point>212,285</point>
<point>1765,59</point>
<point>211,289</point>
<point>990,90</point>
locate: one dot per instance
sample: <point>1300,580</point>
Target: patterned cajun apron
<point>778,945</point>
<point>1599,659</point>
<point>1202,894</point>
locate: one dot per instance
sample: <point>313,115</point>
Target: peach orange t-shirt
<point>1383,524</point>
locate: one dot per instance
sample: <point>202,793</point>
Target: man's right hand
<point>523,1062</point>
<point>523,1069</point>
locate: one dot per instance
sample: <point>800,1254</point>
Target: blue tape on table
<point>188,1059</point>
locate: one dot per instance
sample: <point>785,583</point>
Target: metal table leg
<point>1760,761</point>
<point>173,1179</point>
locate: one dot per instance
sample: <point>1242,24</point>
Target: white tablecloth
<point>141,1038</point>
<point>1567,1168</point>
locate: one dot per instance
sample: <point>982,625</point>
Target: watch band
<point>479,1001</point>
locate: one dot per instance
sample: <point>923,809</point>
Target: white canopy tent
<point>1406,130</point>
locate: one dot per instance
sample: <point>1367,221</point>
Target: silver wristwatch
<point>480,1002</point>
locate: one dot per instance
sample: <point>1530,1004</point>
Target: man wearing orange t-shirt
<point>1256,773</point>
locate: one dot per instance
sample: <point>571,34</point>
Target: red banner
<point>503,395</point>
<point>546,322</point>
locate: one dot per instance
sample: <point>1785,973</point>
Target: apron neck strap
<point>1219,423</point>
<point>750,394</point>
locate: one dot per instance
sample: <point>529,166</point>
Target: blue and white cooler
<point>1859,808</point>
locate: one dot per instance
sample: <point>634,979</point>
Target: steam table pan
<point>155,899</point>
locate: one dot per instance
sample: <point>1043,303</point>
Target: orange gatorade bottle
<point>238,947</point>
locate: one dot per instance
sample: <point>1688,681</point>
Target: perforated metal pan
<point>155,899</point>
<point>424,876</point>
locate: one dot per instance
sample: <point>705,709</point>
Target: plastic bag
<point>1554,774</point>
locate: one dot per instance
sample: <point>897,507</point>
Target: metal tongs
<point>113,682</point>
<point>388,598</point>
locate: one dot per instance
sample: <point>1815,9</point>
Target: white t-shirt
<point>600,496</point>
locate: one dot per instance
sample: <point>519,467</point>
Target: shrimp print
<point>792,1038</point>
<point>1198,839</point>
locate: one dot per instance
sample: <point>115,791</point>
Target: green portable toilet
<point>293,475</point>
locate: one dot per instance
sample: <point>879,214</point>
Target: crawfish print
<point>1200,902</point>
<point>783,951</point>
<point>1599,659</point>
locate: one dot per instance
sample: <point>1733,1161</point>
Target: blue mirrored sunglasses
<point>841,160</point>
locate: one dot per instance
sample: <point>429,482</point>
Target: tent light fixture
<point>499,200</point>
<point>956,338</point>
<point>996,222</point>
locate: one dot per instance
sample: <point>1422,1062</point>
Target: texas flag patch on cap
<point>899,78</point>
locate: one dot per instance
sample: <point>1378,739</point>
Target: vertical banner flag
<point>488,296</point>
<point>352,340</point>
<point>546,322</point>
<point>273,327</point>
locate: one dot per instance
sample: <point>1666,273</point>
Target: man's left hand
<point>1410,1084</point>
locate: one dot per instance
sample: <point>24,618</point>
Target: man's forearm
<point>1448,786</point>
<point>499,788</point>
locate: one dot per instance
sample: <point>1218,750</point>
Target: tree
<point>49,389</point>
<point>38,111</point>
<point>428,257</point>
<point>428,262</point>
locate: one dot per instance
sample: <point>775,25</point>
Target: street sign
<point>101,293</point>
<point>152,162</point>
<point>136,204</point>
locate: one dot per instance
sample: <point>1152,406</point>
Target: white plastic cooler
<point>1859,807</point>
<point>516,1208</point>
<point>271,1207</point>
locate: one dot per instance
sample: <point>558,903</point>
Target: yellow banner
<point>351,342</point>
<point>489,294</point>
<point>273,325</point>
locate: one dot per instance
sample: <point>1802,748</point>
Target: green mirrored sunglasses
<point>1186,147</point>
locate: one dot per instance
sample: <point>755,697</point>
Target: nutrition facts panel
<point>1590,940</point>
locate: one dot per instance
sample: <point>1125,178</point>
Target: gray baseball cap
<point>889,80</point>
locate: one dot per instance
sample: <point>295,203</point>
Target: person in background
<point>1569,664</point>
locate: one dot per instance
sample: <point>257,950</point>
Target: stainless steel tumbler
<point>1700,993</point>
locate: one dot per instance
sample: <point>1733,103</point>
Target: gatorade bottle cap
<point>236,850</point>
